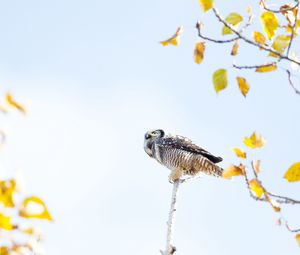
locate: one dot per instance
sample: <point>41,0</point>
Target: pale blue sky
<point>95,80</point>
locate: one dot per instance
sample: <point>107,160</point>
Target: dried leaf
<point>220,79</point>
<point>175,39</point>
<point>256,188</point>
<point>233,170</point>
<point>240,153</point>
<point>256,166</point>
<point>281,42</point>
<point>254,141</point>
<point>235,48</point>
<point>259,38</point>
<point>270,23</point>
<point>233,19</point>
<point>288,13</point>
<point>243,85</point>
<point>199,52</point>
<point>275,205</point>
<point>298,238</point>
<point>34,207</point>
<point>278,222</point>
<point>266,68</point>
<point>206,4</point>
<point>11,102</point>
<point>293,173</point>
<point>5,222</point>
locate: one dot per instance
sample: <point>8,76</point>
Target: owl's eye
<point>147,136</point>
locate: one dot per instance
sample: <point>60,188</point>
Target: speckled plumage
<point>180,155</point>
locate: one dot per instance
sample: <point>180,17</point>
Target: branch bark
<point>170,248</point>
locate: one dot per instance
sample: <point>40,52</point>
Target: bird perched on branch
<point>180,155</point>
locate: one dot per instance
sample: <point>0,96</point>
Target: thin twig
<point>262,2</point>
<point>291,82</point>
<point>284,200</point>
<point>170,248</point>
<point>290,229</point>
<point>254,66</point>
<point>293,29</point>
<point>261,46</point>
<point>199,26</point>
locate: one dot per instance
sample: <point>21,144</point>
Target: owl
<point>180,155</point>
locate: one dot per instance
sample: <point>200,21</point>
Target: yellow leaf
<point>4,250</point>
<point>278,222</point>
<point>266,68</point>
<point>298,238</point>
<point>34,207</point>
<point>7,191</point>
<point>15,104</point>
<point>5,222</point>
<point>239,152</point>
<point>270,23</point>
<point>293,173</point>
<point>234,49</point>
<point>256,188</point>
<point>243,85</point>
<point>220,79</point>
<point>206,4</point>
<point>175,39</point>
<point>280,43</point>
<point>259,38</point>
<point>199,52</point>
<point>254,141</point>
<point>233,19</point>
<point>233,170</point>
<point>256,166</point>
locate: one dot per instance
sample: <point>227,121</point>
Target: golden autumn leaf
<point>7,191</point>
<point>297,236</point>
<point>254,141</point>
<point>13,103</point>
<point>256,166</point>
<point>206,4</point>
<point>240,153</point>
<point>199,52</point>
<point>281,42</point>
<point>175,39</point>
<point>34,207</point>
<point>233,170</point>
<point>270,23</point>
<point>4,250</point>
<point>5,222</point>
<point>266,68</point>
<point>256,188</point>
<point>220,79</point>
<point>243,85</point>
<point>293,173</point>
<point>259,38</point>
<point>233,19</point>
<point>235,48</point>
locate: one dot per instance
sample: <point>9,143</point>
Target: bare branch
<point>290,229</point>
<point>254,66</point>
<point>170,248</point>
<point>240,36</point>
<point>263,4</point>
<point>291,82</point>
<point>199,26</point>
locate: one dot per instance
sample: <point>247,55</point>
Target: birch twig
<point>170,248</point>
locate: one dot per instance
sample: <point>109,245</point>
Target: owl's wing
<point>183,143</point>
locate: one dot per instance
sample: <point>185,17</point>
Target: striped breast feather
<point>183,143</point>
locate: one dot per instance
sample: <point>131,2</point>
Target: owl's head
<point>150,137</point>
